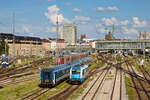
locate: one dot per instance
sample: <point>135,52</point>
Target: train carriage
<point>70,57</point>
<point>52,76</point>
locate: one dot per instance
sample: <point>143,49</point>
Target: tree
<point>3,45</point>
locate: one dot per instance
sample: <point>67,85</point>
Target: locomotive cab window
<point>76,71</point>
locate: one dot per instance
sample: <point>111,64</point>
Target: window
<point>75,71</point>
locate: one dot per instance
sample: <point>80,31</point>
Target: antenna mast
<point>13,31</point>
<point>57,28</point>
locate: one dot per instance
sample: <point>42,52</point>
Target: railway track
<point>13,81</point>
<point>35,94</point>
<point>138,85</point>
<point>145,73</point>
<point>116,93</point>
<point>25,69</point>
<point>64,94</point>
<point>100,78</point>
<point>114,84</point>
<point>22,68</point>
<point>121,84</point>
<point>106,91</point>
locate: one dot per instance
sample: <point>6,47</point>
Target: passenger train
<point>68,58</point>
<point>50,77</point>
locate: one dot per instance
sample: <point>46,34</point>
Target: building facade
<point>46,46</point>
<point>58,44</point>
<point>69,34</point>
<point>22,45</point>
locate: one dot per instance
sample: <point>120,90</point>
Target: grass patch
<point>96,64</point>
<point>129,89</point>
<point>55,90</point>
<point>15,91</point>
<point>147,67</point>
<point>109,78</point>
<point>137,67</point>
<point>78,92</point>
<point>91,78</point>
<point>91,66</point>
<point>129,57</point>
<point>29,60</point>
<point>94,59</point>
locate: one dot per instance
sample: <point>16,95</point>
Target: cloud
<point>76,10</point>
<point>135,22</point>
<point>138,23</point>
<point>125,22</point>
<point>31,34</point>
<point>111,8</point>
<point>25,29</point>
<point>52,14</point>
<point>129,30</point>
<point>51,29</point>
<point>114,21</point>
<point>102,30</point>
<point>82,18</point>
<point>109,21</point>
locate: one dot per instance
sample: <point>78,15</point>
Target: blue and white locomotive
<point>79,73</point>
<point>50,77</point>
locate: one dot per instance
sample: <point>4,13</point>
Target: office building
<point>69,34</point>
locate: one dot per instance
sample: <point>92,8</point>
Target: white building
<point>69,34</point>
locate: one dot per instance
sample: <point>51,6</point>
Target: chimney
<point>141,36</point>
<point>146,35</point>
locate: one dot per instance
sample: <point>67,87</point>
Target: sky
<point>92,17</point>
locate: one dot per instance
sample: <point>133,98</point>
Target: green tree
<point>2,48</point>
